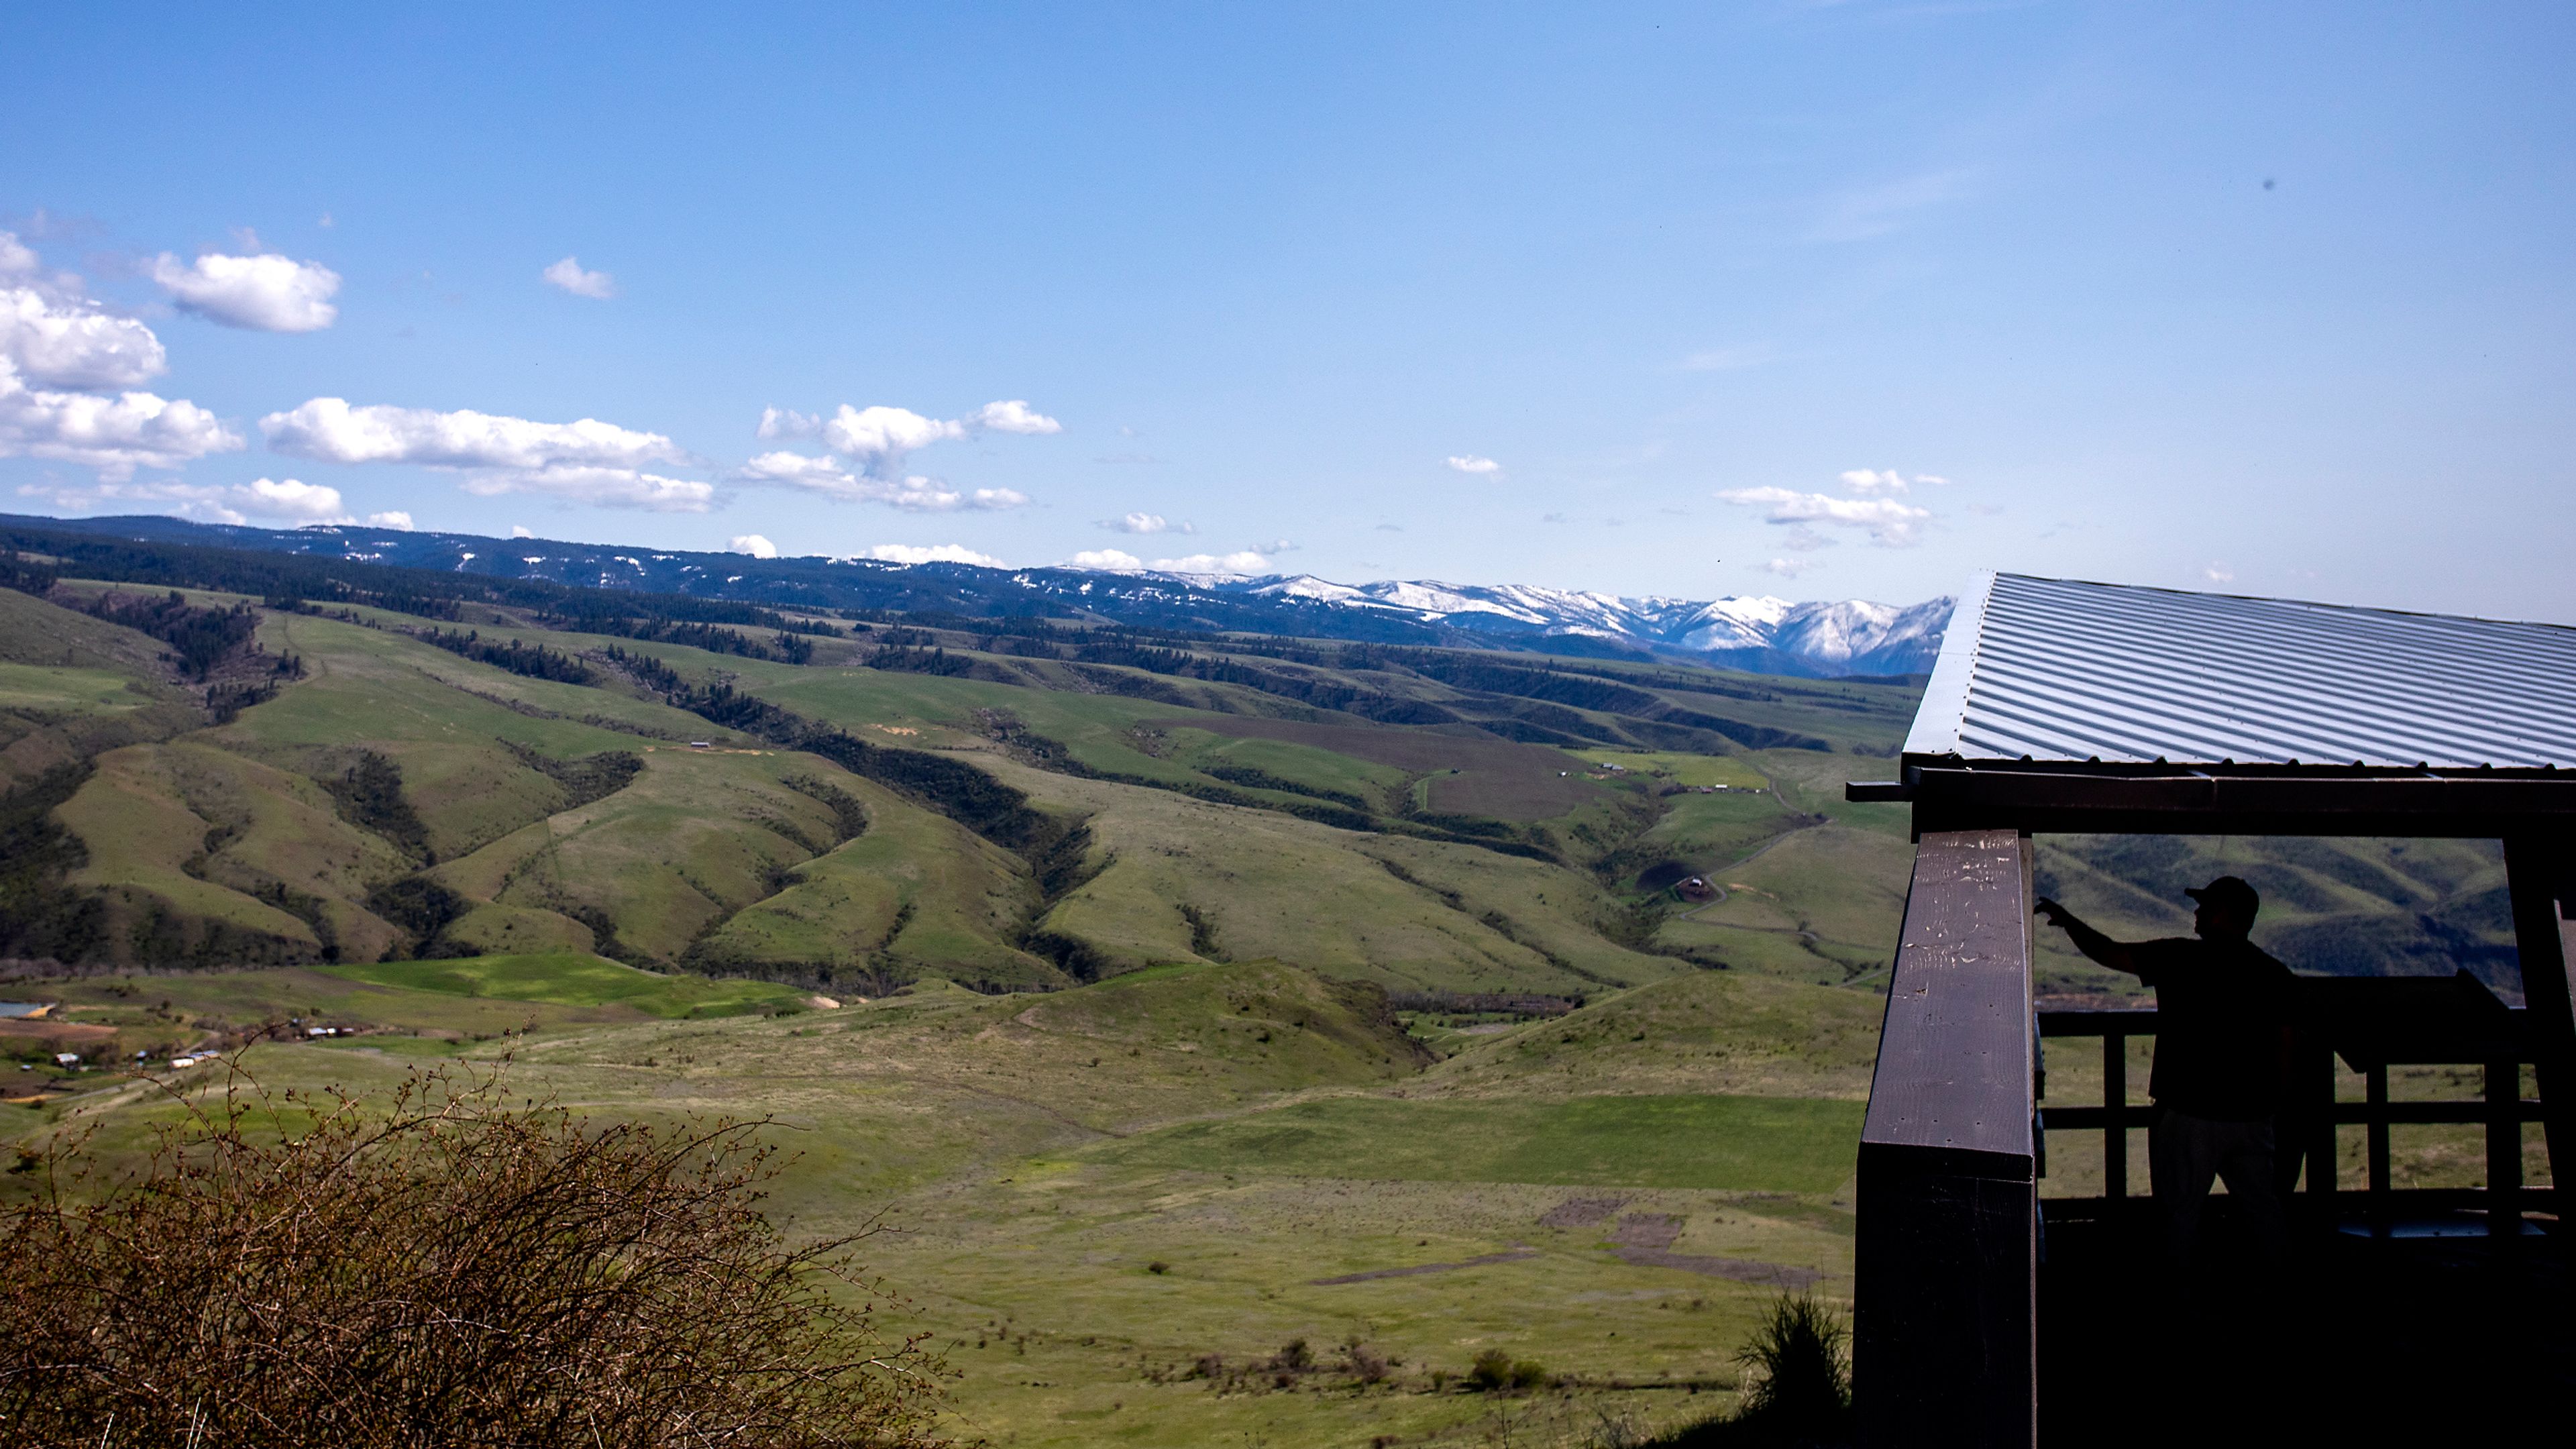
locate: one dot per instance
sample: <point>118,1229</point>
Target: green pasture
<point>1667,766</point>
<point>575,981</point>
<point>68,690</point>
<point>1735,1144</point>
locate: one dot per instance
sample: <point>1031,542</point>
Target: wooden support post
<point>2504,1148</point>
<point>2376,1079</point>
<point>2115,1132</point>
<point>2542,875</point>
<point>1945,1310</point>
<point>2324,1156</point>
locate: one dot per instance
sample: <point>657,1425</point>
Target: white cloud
<point>292,498</point>
<point>599,486</point>
<point>66,342</point>
<point>268,293</point>
<point>1790,568</point>
<point>880,438</point>
<point>328,429</point>
<point>753,544</point>
<point>826,476</point>
<point>788,423</point>
<point>115,435</point>
<point>908,553</point>
<point>1472,464</point>
<point>60,338</point>
<point>521,530</point>
<point>1890,524</point>
<point>1887,481</point>
<point>1145,523</point>
<point>1013,416</point>
<point>1245,562</point>
<point>1104,558</point>
<point>288,500</point>
<point>1806,540</point>
<point>2219,573</point>
<point>568,275</point>
<point>877,440</point>
<point>393,518</point>
<point>1276,545</point>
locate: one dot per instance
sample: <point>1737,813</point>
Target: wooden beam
<point>1945,1315</point>
<point>2105,800</point>
<point>2541,872</point>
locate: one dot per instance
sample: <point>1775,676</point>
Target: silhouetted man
<point>2222,1025</point>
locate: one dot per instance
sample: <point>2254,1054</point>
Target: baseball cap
<point>2228,893</point>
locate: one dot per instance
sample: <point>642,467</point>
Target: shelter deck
<point>2356,1341</point>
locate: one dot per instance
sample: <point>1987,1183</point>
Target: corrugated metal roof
<point>2056,670</point>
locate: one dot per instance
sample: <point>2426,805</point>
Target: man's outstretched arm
<point>2114,954</point>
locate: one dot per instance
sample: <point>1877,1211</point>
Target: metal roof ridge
<point>1943,711</point>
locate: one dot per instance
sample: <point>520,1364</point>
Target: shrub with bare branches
<point>446,1268</point>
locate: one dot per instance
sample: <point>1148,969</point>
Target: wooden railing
<point>1945,1323</point>
<point>2308,1128</point>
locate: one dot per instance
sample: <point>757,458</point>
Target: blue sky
<point>1826,300</point>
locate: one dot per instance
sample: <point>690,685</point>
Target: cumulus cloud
<point>115,435</point>
<point>1145,523</point>
<point>328,429</point>
<point>907,553</point>
<point>753,544</point>
<point>287,500</point>
<point>568,275</point>
<point>788,423</point>
<point>1886,481</point>
<point>2219,573</point>
<point>1472,464</point>
<point>1245,562</point>
<point>879,438</point>
<point>63,341</point>
<point>57,337</point>
<point>1790,568</point>
<point>393,518</point>
<point>267,293</point>
<point>1120,561</point>
<point>826,476</point>
<point>294,498</point>
<point>600,487</point>
<point>1014,416</point>
<point>1890,524</point>
<point>521,530</point>
<point>1104,558</point>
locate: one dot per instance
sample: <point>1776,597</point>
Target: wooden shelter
<point>2059,706</point>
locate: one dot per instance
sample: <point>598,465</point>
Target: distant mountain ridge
<point>1851,636</point>
<point>1761,634</point>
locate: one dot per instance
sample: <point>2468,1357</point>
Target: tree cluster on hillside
<point>536,661</point>
<point>446,1268</point>
<point>199,638</point>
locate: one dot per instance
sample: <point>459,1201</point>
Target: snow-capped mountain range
<point>1851,636</point>
<point>1765,635</point>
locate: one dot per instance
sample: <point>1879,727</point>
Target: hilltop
<point>1768,635</point>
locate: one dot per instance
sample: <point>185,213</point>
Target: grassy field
<point>576,981</point>
<point>1736,1144</point>
<point>1090,1191</point>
